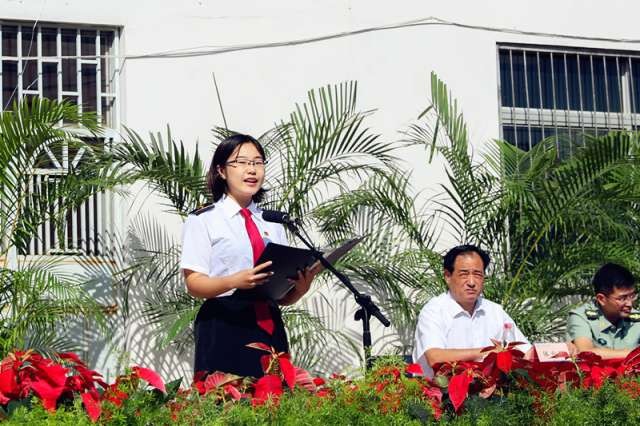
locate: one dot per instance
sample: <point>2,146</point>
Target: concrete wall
<point>389,47</point>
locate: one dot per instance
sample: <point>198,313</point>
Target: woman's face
<point>243,181</point>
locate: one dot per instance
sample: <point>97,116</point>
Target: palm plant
<point>321,149</point>
<point>547,221</point>
<point>35,295</point>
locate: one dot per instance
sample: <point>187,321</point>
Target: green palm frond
<point>36,298</point>
<point>324,144</point>
<point>167,169</point>
<point>548,222</point>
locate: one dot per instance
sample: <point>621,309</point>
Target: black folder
<point>286,263</point>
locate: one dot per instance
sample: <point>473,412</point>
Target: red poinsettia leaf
<point>233,391</point>
<point>198,376</point>
<point>599,375</point>
<point>487,369</point>
<point>150,376</point>
<point>415,369</point>
<point>504,361</point>
<point>86,375</point>
<point>93,406</point>
<point>7,362</point>
<point>69,357</point>
<point>517,353</point>
<point>261,346</point>
<point>487,391</point>
<point>218,379</point>
<point>268,385</point>
<point>633,358</point>
<point>462,367</point>
<point>513,344</point>
<point>102,383</point>
<point>583,367</point>
<point>319,381</point>
<point>284,355</point>
<point>47,394</point>
<point>433,392</point>
<point>30,356</point>
<point>524,363</point>
<point>437,411</point>
<point>24,383</point>
<point>8,382</point>
<point>562,354</point>
<point>265,361</point>
<point>288,372</point>
<point>590,356</point>
<point>95,375</point>
<point>52,373</point>
<point>4,399</point>
<point>458,389</point>
<point>622,370</point>
<point>489,358</point>
<point>303,379</point>
<point>497,345</point>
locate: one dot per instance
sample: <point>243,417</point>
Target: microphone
<point>278,217</point>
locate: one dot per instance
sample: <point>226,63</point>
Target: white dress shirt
<point>216,242</point>
<point>444,324</point>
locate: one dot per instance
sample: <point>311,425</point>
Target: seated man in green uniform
<point>609,327</point>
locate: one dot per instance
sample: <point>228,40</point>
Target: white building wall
<point>381,44</point>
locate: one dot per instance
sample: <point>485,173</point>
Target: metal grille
<point>60,63</point>
<point>78,65</point>
<point>85,230</point>
<point>564,93</point>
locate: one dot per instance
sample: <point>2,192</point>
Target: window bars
<point>78,65</point>
<point>553,92</point>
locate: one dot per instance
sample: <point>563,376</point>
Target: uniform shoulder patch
<point>203,208</point>
<point>634,317</point>
<point>592,315</point>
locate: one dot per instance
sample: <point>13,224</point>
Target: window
<point>60,63</point>
<point>554,92</point>
<point>75,64</point>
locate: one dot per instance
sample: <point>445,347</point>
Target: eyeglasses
<point>243,164</point>
<point>630,298</point>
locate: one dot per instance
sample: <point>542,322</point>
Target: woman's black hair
<point>218,185</point>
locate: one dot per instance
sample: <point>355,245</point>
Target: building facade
<point>520,74</point>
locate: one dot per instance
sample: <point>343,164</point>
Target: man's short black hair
<point>450,257</point>
<point>610,276</point>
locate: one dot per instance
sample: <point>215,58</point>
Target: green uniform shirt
<point>589,321</point>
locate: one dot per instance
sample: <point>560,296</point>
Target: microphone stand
<point>367,306</point>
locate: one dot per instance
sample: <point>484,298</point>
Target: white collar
<point>231,207</point>
<point>456,309</point>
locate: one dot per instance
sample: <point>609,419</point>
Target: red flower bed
<point>56,382</point>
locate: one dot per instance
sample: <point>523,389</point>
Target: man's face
<point>467,280</point>
<point>618,304</point>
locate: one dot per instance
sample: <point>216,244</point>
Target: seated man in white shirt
<point>458,324</point>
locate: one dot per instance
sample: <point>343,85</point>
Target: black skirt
<point>223,328</point>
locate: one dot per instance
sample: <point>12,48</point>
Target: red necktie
<point>261,306</point>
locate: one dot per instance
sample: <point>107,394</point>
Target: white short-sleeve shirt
<point>216,242</point>
<point>444,324</point>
